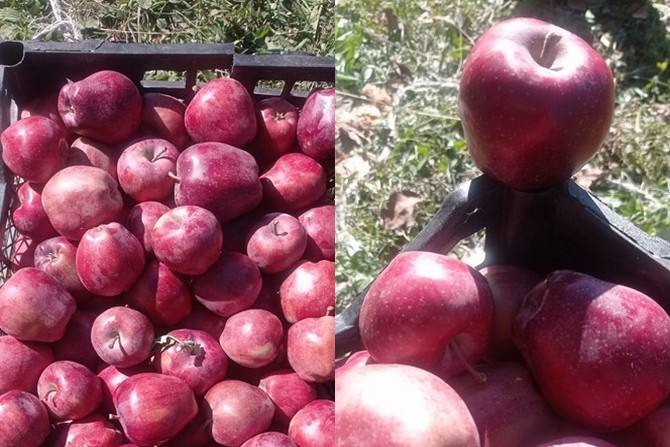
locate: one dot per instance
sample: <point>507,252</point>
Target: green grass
<point>414,51</point>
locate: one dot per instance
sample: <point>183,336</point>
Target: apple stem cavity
<point>549,51</point>
<point>456,349</point>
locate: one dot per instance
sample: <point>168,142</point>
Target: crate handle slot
<point>11,53</point>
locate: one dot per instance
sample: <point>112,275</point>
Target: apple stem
<point>114,340</point>
<point>159,155</point>
<point>330,310</point>
<point>548,52</point>
<point>174,177</point>
<point>113,417</point>
<point>478,376</point>
<point>275,232</point>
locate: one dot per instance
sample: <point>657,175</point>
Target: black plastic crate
<point>30,69</point>
<point>562,227</point>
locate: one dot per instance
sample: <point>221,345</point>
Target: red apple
<point>25,421</point>
<point>194,356</point>
<point>34,148</point>
<point>314,424</point>
<point>163,116</point>
<point>111,377</point>
<point>239,411</point>
<point>308,291</point>
<point>277,122</point>
<point>34,306</point>
<point>319,223</point>
<point>122,336</point>
<point>77,198</point>
<point>153,408</point>
<point>141,219</point>
<point>69,390</point>
<point>536,103</point>
<point>288,392</point>
<point>294,182</point>
<point>94,430</point>
<point>221,111</point>
<point>252,338</point>
<point>187,239</point>
<point>106,106</point>
<point>428,310</point>
<point>76,342</point>
<point>29,217</point>
<point>109,259</point>
<point>310,346</point>
<point>145,167</point>
<point>86,152</point>
<point>22,363</point>
<point>582,339</point>
<point>269,439</point>
<point>57,257</point>
<point>276,241</point>
<point>230,286</point>
<point>316,126</point>
<point>390,405</point>
<point>218,177</point>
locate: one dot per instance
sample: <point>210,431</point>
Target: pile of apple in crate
<point>178,287</point>
<point>502,357</point>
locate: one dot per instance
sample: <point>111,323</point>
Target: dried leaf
<point>400,211</point>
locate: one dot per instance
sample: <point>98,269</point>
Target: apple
<point>276,241</point>
<point>161,294</point>
<point>69,390</point>
<point>310,347</point>
<point>153,407</point>
<point>77,198</point>
<point>581,338</point>
<point>93,430</point>
<point>222,111</point>
<point>29,217</point>
<point>308,291</point>
<point>293,182</point>
<point>288,392</point>
<point>163,116</point>
<point>57,257</point>
<point>86,152</point>
<point>277,121</point>
<point>111,377</point>
<point>316,125</point>
<point>25,421</point>
<point>269,439</point>
<point>394,405</point>
<point>34,148</point>
<point>428,310</point>
<point>109,259</point>
<point>230,286</point>
<point>577,441</point>
<point>314,424</point>
<point>509,285</point>
<point>239,411</point>
<point>319,223</point>
<point>144,169</point>
<point>105,106</point>
<point>34,306</point>
<point>187,239</point>
<point>122,336</point>
<point>76,342</point>
<point>536,102</point>
<point>252,338</point>
<point>194,356</point>
<point>22,363</point>
<point>141,219</point>
<point>218,177</point>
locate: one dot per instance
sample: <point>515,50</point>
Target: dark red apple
<point>269,439</point>
<point>288,392</point>
<point>319,223</point>
<point>25,421</point>
<point>310,346</point>
<point>109,259</point>
<point>277,122</point>
<point>239,411</point>
<point>218,177</point>
<point>600,352</point>
<point>163,116</point>
<point>111,377</point>
<point>252,338</point>
<point>56,256</point>
<point>122,336</point>
<point>69,390</point>
<point>153,407</point>
<point>187,239</point>
<point>222,111</point>
<point>316,126</point>
<point>421,409</point>
<point>428,310</point>
<point>76,342</point>
<point>106,106</point>
<point>77,198</point>
<point>22,363</point>
<point>86,152</point>
<point>230,286</point>
<point>34,148</point>
<point>194,356</point>
<point>536,103</point>
<point>276,241</point>
<point>141,219</point>
<point>34,306</point>
<point>314,424</point>
<point>145,167</point>
<point>29,217</point>
<point>308,291</point>
<point>93,430</point>
<point>293,182</point>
